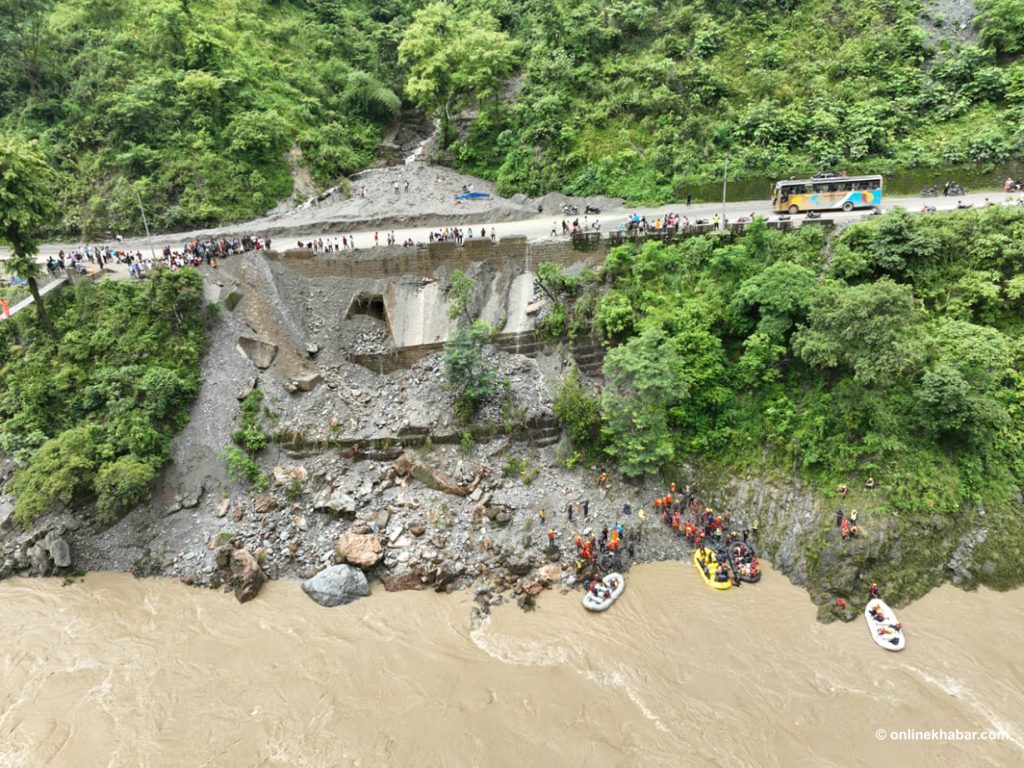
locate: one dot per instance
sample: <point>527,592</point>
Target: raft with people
<point>885,629</point>
<point>602,593</point>
<point>744,561</point>
<point>714,574</point>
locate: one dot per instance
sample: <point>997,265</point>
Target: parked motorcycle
<point>590,209</point>
<point>930,192</point>
<point>955,189</point>
<point>570,210</point>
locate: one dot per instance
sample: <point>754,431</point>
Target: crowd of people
<point>192,253</point>
<point>459,235</point>
<point>682,512</point>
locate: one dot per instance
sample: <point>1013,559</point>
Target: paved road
<point>539,228</point>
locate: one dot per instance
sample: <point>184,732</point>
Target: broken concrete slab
<point>306,382</point>
<point>260,353</point>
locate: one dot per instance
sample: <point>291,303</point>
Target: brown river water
<point>117,672</point>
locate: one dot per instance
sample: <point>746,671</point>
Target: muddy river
<point>117,672</point>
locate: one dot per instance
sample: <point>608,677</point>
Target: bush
<point>470,376</point>
<point>122,484</point>
<point>242,467</point>
<point>579,412</point>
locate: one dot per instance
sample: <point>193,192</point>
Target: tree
<point>471,377</point>
<point>452,56</point>
<point>579,412</point>
<point>26,208</point>
<point>22,42</point>
<point>1001,24</point>
<point>873,329</point>
<point>460,293</point>
<point>642,384</point>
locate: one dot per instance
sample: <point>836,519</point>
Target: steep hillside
<point>195,104</point>
<point>208,109</point>
<point>637,99</point>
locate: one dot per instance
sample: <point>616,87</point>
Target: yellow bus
<point>826,191</point>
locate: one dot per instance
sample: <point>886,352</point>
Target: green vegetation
<point>578,410</point>
<point>26,205</point>
<point>640,99</point>
<point>249,440</point>
<point>899,355</point>
<point>196,104</point>
<point>454,53</point>
<point>471,377</point>
<point>89,413</point>
<point>241,466</point>
<point>573,301</point>
<point>205,107</point>
<point>522,468</point>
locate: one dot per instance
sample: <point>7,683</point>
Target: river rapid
<point>111,671</point>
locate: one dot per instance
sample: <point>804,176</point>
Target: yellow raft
<point>707,566</point>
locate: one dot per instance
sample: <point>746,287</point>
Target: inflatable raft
<point>884,632</point>
<point>744,561</point>
<point>609,591</point>
<point>707,566</point>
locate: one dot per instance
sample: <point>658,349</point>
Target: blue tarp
<point>472,196</point>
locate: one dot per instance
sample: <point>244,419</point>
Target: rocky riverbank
<point>368,468</point>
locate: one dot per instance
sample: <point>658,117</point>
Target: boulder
<point>39,559</point>
<point>222,555</point>
<point>246,575</point>
<point>285,476</point>
<point>260,353</point>
<point>403,582</point>
<point>60,551</point>
<point>520,566</point>
<point>548,574</point>
<point>6,513</point>
<point>222,508</point>
<point>306,382</point>
<point>337,503</point>
<point>264,504</point>
<point>312,349</point>
<point>364,551</point>
<point>337,585</point>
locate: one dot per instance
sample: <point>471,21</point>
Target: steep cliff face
<point>905,555</point>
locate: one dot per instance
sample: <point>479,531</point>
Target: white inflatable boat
<point>884,631</point>
<point>609,591</point>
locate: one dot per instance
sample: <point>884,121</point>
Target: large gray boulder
<point>59,550</point>
<point>337,585</point>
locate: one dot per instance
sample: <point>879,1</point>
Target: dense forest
<point>896,352</point>
<point>205,108</point>
<point>88,411</point>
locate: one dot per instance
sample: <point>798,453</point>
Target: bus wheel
<point>847,206</point>
<point>794,210</point>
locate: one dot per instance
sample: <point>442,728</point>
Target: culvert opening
<point>371,304</point>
